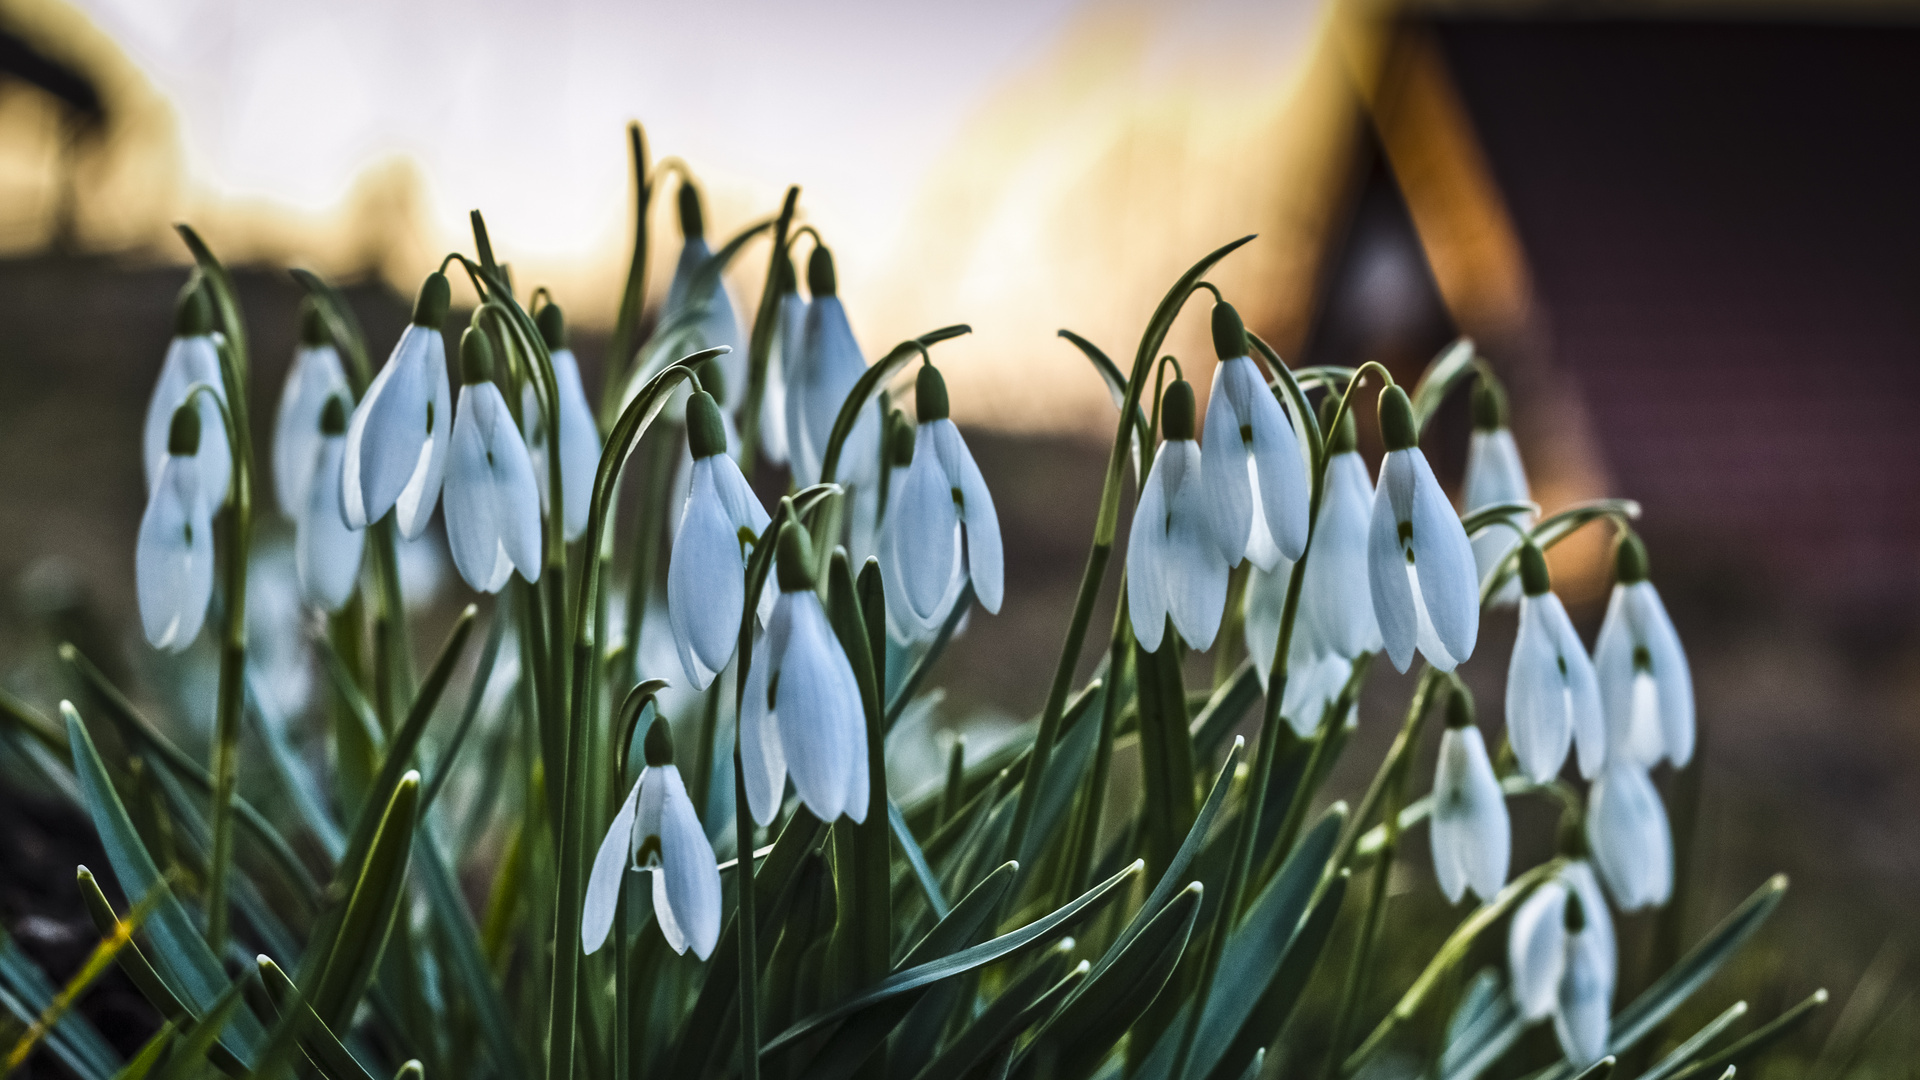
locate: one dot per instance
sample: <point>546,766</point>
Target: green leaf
<point>1116,388</point>
<point>1599,1070</point>
<point>1295,400</point>
<point>1453,366</point>
<point>1166,750</point>
<point>1016,1009</point>
<point>1494,514</point>
<point>342,326</point>
<point>1756,1042</point>
<point>317,1040</point>
<point>185,1061</point>
<point>370,912</point>
<point>1224,711</point>
<point>226,305</point>
<point>922,664</point>
<point>30,996</point>
<point>149,1055</point>
<point>869,384</point>
<point>468,966</point>
<point>917,859</point>
<point>1697,1044</point>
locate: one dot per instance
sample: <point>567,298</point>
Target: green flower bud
<point>333,416</point>
<point>693,222</point>
<point>430,307</point>
<point>706,434</point>
<point>1229,333</point>
<point>820,278</point>
<point>183,436</point>
<point>1396,420</point>
<point>1459,707</point>
<point>1576,915</point>
<point>1176,410</point>
<point>1489,405</point>
<point>795,560</point>
<point>193,312</point>
<point>1344,438</point>
<point>553,327</point>
<point>476,357</point>
<point>899,440</point>
<point>1533,571</point>
<point>313,327</point>
<point>930,395</point>
<point>1630,560</point>
<point>659,742</point>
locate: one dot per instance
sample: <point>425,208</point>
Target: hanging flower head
<point>315,378</point>
<point>719,524</point>
<point>193,356</point>
<point>1494,476</point>
<point>493,502</point>
<point>718,324</point>
<point>941,527</point>
<point>820,375</point>
<point>326,552</point>
<point>1553,699</point>
<point>1420,566</point>
<point>786,345</point>
<point>657,831</point>
<point>1176,565</point>
<point>1472,838</point>
<point>1256,482</point>
<point>1562,957</point>
<point>173,556</point>
<point>1628,833</point>
<point>579,435</point>
<point>397,437</point>
<point>1646,687</point>
<point>801,710</point>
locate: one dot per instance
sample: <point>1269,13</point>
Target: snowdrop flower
<point>718,325</point>
<point>657,830</point>
<point>941,527</point>
<point>1561,953</point>
<point>326,552</point>
<point>706,573</point>
<point>1469,830</point>
<point>1494,476</point>
<point>173,556</point>
<point>801,711</point>
<point>493,503</point>
<point>579,435</point>
<point>1627,830</point>
<point>1419,563</point>
<point>1315,674</point>
<point>1645,685</point>
<point>397,437</point>
<point>786,343</point>
<point>1176,566</point>
<point>820,375</point>
<point>315,378</point>
<point>1333,592</point>
<point>1553,699</point>
<point>192,357</point>
<point>1256,482</point>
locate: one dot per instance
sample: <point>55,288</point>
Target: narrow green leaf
<point>1017,1008</point>
<point>342,326</point>
<point>468,964</point>
<point>31,997</point>
<point>862,851</point>
<point>1447,370</point>
<point>226,304</point>
<point>317,1040</point>
<point>917,859</point>
<point>1166,751</point>
<point>869,384</point>
<point>191,1050</point>
<point>150,1054</point>
<point>1494,514</point>
<point>1224,710</point>
<point>1756,1042</point>
<point>1696,1044</point>
<point>370,912</point>
<point>1599,1070</point>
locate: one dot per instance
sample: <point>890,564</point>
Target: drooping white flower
<point>1256,480</point>
<point>1494,475</point>
<point>397,437</point>
<point>1553,698</point>
<point>1471,835</point>
<point>940,527</point>
<point>1334,591</point>
<point>801,711</point>
<point>1646,688</point>
<point>493,502</point>
<point>193,356</point>
<point>1419,564</point>
<point>1176,565</point>
<point>315,378</point>
<point>657,830</point>
<point>786,344</point>
<point>579,435</point>
<point>1562,956</point>
<point>717,324</point>
<point>173,556</point>
<point>1628,833</point>
<point>720,522</point>
<point>820,374</point>
<point>327,553</point>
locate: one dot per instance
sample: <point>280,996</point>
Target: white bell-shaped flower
<point>1553,698</point>
<point>327,553</point>
<point>397,437</point>
<point>1494,475</point>
<point>1646,687</point>
<point>1563,960</point>
<point>1628,833</point>
<point>1419,564</point>
<point>801,711</point>
<point>1315,673</point>
<point>657,830</point>
<point>820,374</point>
<point>786,344</point>
<point>173,556</point>
<point>315,379</point>
<point>1471,835</point>
<point>941,527</point>
<point>579,435</point>
<point>717,323</point>
<point>1256,480</point>
<point>1334,591</point>
<point>493,502</point>
<point>869,524</point>
<point>1176,565</point>
<point>193,356</point>
<point>707,573</point>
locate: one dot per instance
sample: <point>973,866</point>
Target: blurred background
<point>1685,234</point>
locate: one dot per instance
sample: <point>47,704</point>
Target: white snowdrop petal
<point>663,913</point>
<point>1672,676</point>
<point>985,560</point>
<point>1537,950</point>
<point>316,376</point>
<point>926,530</point>
<point>397,435</point>
<point>1282,487</point>
<point>1223,475</point>
<point>609,870</point>
<point>1613,672</point>
<point>1195,573</point>
<point>762,757</point>
<point>173,557</point>
<point>188,361</point>
<point>1393,600</point>
<point>1579,877</point>
<point>1580,1020</point>
<point>473,516</point>
<point>1539,703</point>
<point>706,580</point>
<point>1147,557</point>
<point>1628,833</point>
<point>827,364</point>
<point>1314,680</point>
<point>1583,697</point>
<point>1335,592</point>
<point>687,865</point>
<point>579,444</point>
<point>1494,475</point>
<point>1262,604</point>
<point>1470,831</point>
<point>809,708</point>
<point>327,553</point>
<point>1448,584</point>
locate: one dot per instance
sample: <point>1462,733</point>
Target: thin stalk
<point>1093,807</point>
<point>393,656</point>
<point>745,919</point>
